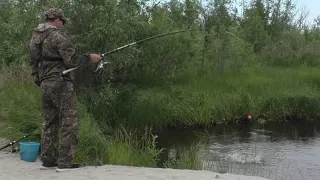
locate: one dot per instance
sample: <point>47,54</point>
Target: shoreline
<point>11,167</point>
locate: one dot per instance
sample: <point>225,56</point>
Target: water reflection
<point>273,150</point>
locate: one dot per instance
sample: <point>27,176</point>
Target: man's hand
<point>95,58</point>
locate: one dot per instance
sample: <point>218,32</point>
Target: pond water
<point>274,151</point>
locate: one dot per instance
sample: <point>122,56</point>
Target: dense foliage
<point>175,79</point>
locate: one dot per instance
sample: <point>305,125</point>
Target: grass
<point>184,158</point>
<point>119,148</point>
<point>20,111</point>
<point>268,93</point>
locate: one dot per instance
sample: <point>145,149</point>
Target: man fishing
<point>51,52</point>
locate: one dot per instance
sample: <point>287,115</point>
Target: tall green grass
<point>268,93</point>
<point>20,111</point>
<point>118,147</point>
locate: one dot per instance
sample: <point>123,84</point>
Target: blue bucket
<point>29,151</point>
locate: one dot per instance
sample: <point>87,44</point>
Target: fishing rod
<point>12,143</point>
<point>103,62</point>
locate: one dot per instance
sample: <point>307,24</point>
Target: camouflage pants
<point>59,116</point>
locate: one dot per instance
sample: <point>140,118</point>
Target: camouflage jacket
<point>51,52</point>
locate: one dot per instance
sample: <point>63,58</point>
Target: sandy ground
<point>12,168</point>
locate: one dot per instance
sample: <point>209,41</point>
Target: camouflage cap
<point>54,13</point>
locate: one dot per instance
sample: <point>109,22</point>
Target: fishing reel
<point>102,63</point>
